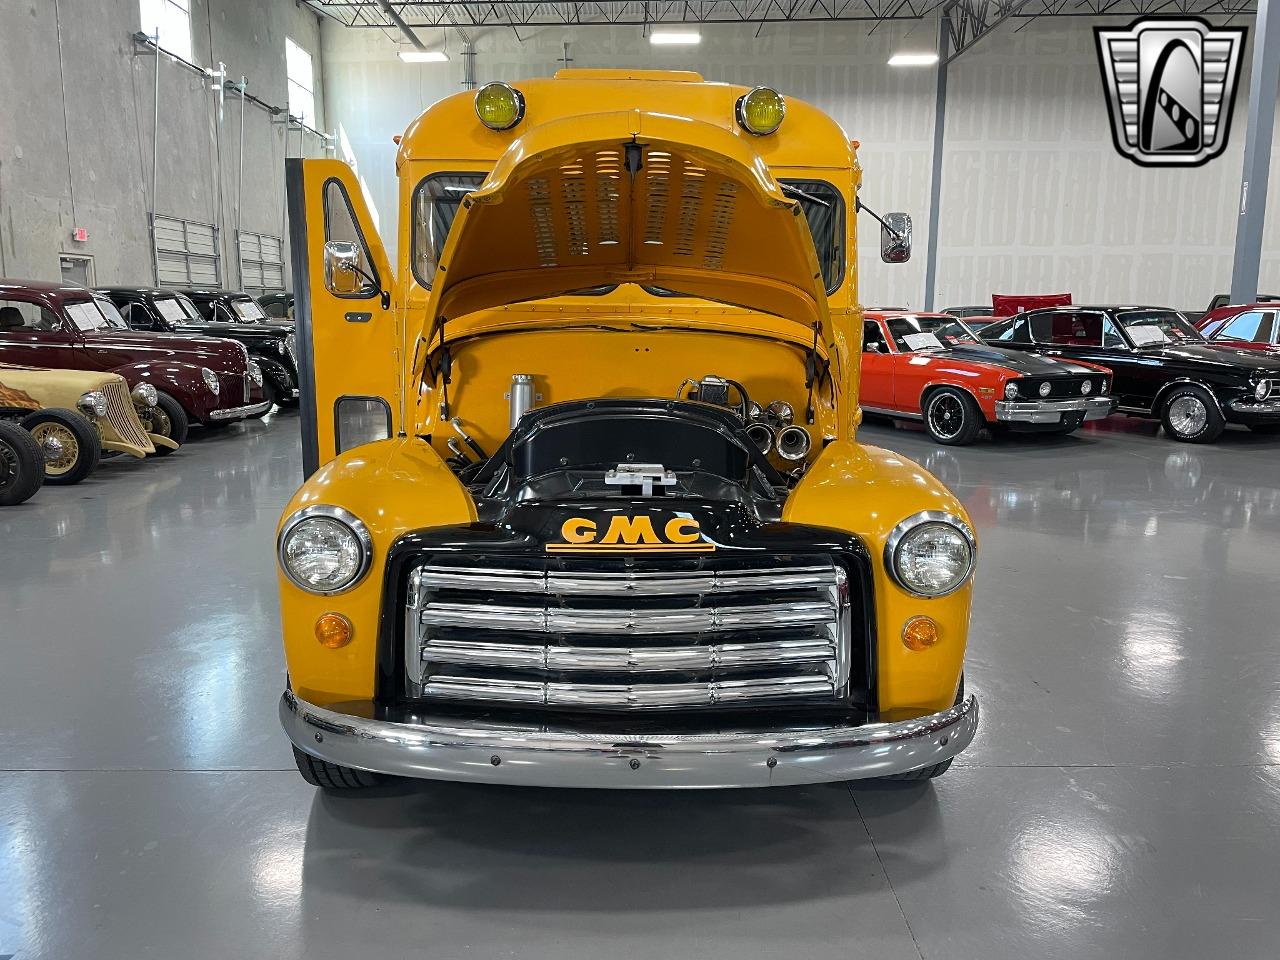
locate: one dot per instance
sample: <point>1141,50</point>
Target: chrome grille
<point>121,415</point>
<point>620,638</point>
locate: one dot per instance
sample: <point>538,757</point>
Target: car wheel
<point>21,465</point>
<point>934,770</point>
<point>332,776</point>
<point>68,441</point>
<point>1190,415</point>
<point>167,419</point>
<point>952,417</point>
<point>269,395</point>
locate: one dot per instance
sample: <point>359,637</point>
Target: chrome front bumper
<point>1051,411</point>
<point>236,413</point>
<point>545,756</point>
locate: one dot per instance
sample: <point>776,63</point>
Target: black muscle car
<point>271,345</point>
<point>1164,369</point>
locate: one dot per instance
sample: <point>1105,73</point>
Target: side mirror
<point>873,347</point>
<point>895,238</point>
<point>343,274</point>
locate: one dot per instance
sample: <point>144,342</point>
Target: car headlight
<point>930,554</point>
<point>1046,388</point>
<point>1102,386</point>
<point>290,346</point>
<point>211,380</point>
<point>92,404</point>
<point>255,374</point>
<point>1010,390</point>
<point>324,549</point>
<point>1262,390</point>
<point>1086,387</point>
<point>144,395</point>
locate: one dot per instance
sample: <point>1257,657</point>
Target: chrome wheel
<point>60,448</point>
<point>1188,415</point>
<point>946,416</point>
<point>159,423</point>
<point>8,464</point>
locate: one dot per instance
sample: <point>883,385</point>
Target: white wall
<point>1035,198</point>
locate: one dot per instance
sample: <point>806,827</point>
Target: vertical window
<point>302,82</point>
<point>171,21</point>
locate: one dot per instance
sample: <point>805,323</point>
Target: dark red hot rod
<point>205,379</point>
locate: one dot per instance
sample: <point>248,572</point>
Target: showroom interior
<point>405,332</point>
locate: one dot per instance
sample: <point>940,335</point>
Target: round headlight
<point>1086,387</point>
<point>1262,390</point>
<point>1046,388</point>
<point>499,106</point>
<point>211,380</point>
<point>930,554</point>
<point>1010,390</point>
<point>255,374</point>
<point>760,111</point>
<point>324,549</point>
<point>144,395</point>
<point>92,404</point>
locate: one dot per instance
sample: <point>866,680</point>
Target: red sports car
<point>932,367</point>
<point>1250,326</point>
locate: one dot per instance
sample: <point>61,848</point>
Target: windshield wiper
<point>797,192</point>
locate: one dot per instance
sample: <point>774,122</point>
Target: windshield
<point>1147,327</point>
<point>248,311</point>
<point>929,333</point>
<point>171,310</point>
<point>824,210</point>
<point>89,315</point>
<point>190,309</point>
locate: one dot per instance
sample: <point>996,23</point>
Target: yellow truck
<point>584,502</point>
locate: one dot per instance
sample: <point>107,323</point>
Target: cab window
<point>339,224</point>
<point>436,203</point>
<point>872,338</point>
<point>20,315</point>
<point>823,208</point>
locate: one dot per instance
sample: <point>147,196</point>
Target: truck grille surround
<point>634,634</point>
<point>121,415</point>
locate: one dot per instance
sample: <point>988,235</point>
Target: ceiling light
<point>669,37</point>
<point>423,56</point>
<point>913,59</point>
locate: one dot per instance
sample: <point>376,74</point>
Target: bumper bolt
<point>771,762</point>
<point>495,760</point>
<point>943,741</point>
<point>319,738</point>
<point>635,764</point>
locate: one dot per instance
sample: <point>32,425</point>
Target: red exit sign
<point>80,235</point>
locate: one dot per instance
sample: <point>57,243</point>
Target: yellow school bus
<point>584,504</point>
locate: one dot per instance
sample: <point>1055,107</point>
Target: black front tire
<point>1191,415</point>
<point>168,419</point>
<point>934,770</point>
<point>21,465</point>
<point>332,776</point>
<point>952,417</point>
<point>78,438</point>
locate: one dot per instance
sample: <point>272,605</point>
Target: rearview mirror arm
<point>879,219</point>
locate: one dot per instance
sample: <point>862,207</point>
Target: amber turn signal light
<point>919,633</point>
<point>333,630</point>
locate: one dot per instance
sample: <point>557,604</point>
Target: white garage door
<point>187,253</point>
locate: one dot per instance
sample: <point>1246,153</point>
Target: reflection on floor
<point>1122,798</point>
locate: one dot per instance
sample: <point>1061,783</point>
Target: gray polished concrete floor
<point>1122,798</point>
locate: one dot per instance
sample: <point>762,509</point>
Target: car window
<point>87,317</point>
<point>1243,326</point>
<point>871,334</point>
<point>1155,326</point>
<point>1004,330</point>
<point>111,313</point>
<point>171,310</point>
<point>436,202</point>
<point>18,314</point>
<point>248,311</point>
<point>824,212</point>
<point>925,333</point>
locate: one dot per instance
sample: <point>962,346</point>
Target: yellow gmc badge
<point>623,533</point>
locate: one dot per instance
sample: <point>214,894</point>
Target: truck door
<point>349,336</point>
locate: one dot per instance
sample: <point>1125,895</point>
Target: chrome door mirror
<point>895,238</point>
<point>344,276</point>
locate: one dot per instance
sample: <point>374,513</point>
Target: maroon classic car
<point>1249,326</point>
<point>204,379</point>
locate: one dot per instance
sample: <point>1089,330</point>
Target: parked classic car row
<point>80,379</point>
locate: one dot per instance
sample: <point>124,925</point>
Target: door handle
<point>358,317</point>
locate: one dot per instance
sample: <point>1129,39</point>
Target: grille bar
<point>629,583</point>
<point>627,695</point>
<point>121,416</point>
<point>630,659</point>
<point>483,616</point>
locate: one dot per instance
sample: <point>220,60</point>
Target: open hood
<point>630,197</point>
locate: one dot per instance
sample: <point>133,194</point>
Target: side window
<point>1077,329</point>
<point>340,225</point>
<point>1111,335</point>
<point>1243,326</point>
<point>872,338</point>
<point>436,202</point>
<point>1269,328</point>
<point>20,315</point>
<point>1041,326</point>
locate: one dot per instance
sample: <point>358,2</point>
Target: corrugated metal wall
<point>1035,198</point>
